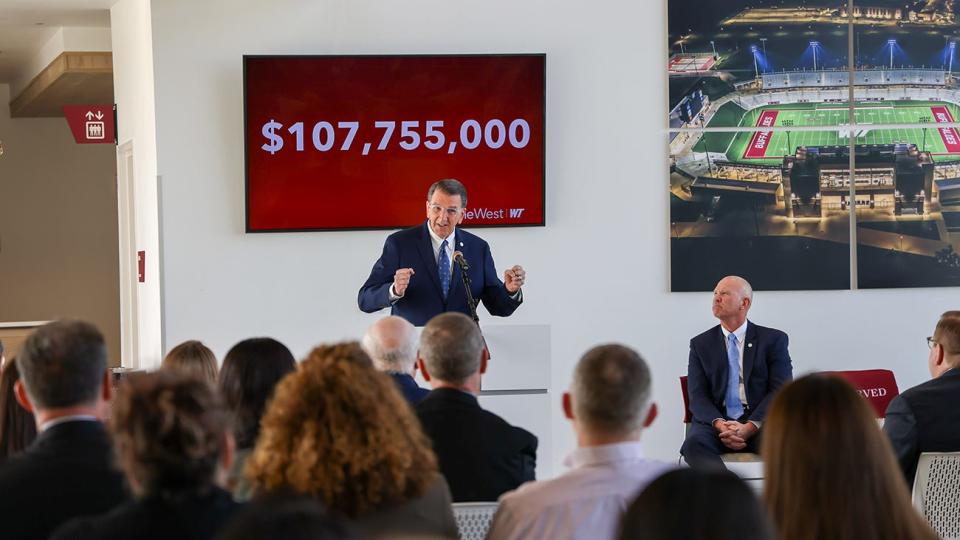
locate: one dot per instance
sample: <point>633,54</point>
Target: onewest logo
<point>516,212</point>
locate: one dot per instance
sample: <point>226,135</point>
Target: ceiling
<point>26,25</point>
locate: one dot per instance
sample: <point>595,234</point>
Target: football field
<point>769,147</point>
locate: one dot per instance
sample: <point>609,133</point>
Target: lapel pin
<point>461,244</point>
<point>749,344</point>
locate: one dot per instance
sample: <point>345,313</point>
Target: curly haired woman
<point>339,430</point>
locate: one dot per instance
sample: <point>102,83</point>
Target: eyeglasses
<point>452,211</point>
<point>931,342</point>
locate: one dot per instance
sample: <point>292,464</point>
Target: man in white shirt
<point>609,406</point>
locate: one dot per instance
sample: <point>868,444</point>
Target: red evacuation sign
<point>91,124</point>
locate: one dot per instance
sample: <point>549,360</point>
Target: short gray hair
<point>62,364</point>
<point>451,346</point>
<point>611,389</point>
<point>391,343</point>
<point>450,186</point>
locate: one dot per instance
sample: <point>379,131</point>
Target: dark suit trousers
<point>702,447</point>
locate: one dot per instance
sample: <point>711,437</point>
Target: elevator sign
<point>91,124</point>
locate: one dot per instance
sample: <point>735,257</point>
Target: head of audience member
<point>391,343</point>
<point>723,505</point>
<point>829,472</point>
<point>610,398</point>
<point>452,353</point>
<point>171,434</point>
<point>732,298</point>
<point>63,372</point>
<point>286,516</point>
<point>251,370</point>
<point>17,427</point>
<point>194,357</point>
<point>945,345</point>
<point>446,201</point>
<point>340,430</point>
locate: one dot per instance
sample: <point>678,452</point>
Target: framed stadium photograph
<point>780,112</point>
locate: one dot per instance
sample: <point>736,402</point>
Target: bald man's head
<point>732,298</point>
<point>391,343</point>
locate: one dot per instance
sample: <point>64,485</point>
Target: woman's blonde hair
<point>829,472</point>
<point>193,357</point>
<point>341,431</point>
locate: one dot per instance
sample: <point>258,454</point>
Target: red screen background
<point>311,190</point>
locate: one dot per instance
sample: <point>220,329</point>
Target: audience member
<point>828,470</point>
<point>17,426</point>
<point>609,404</point>
<point>735,368</point>
<point>251,370</point>
<point>172,439</point>
<point>286,517</point>
<point>68,471</point>
<point>480,454</point>
<point>193,357</point>
<point>926,418</point>
<point>694,504</point>
<point>339,430</point>
<point>392,345</point>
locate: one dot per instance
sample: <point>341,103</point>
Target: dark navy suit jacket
<point>413,248</point>
<point>409,387</point>
<point>925,418</point>
<point>766,367</point>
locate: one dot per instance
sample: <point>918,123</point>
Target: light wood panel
<point>73,78</point>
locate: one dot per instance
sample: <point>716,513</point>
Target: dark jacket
<point>480,454</point>
<point>67,472</point>
<point>413,248</point>
<point>187,517</point>
<point>766,367</point>
<point>925,418</point>
<point>411,390</point>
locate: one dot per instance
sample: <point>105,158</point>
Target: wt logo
<point>516,212</point>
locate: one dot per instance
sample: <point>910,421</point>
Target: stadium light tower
<point>891,43</point>
<point>756,70</point>
<point>814,45</point>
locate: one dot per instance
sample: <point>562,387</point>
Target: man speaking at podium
<point>418,275</point>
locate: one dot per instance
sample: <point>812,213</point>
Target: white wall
<point>133,90</point>
<point>606,196</point>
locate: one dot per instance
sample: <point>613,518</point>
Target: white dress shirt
<point>587,502</point>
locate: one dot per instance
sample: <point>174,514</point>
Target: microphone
<point>458,258</point>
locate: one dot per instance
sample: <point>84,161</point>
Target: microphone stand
<point>465,278</point>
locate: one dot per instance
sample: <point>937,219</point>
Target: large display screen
<point>354,142</point>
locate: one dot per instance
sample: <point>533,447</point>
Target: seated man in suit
<point>734,370</point>
<point>391,343</point>
<point>926,418</point>
<point>68,471</point>
<point>418,277</point>
<point>609,405</point>
<point>480,454</point>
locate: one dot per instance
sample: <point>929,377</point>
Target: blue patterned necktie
<point>733,403</point>
<point>443,266</point>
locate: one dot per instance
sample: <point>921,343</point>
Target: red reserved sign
<point>761,139</point>
<point>91,124</point>
<point>951,139</point>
